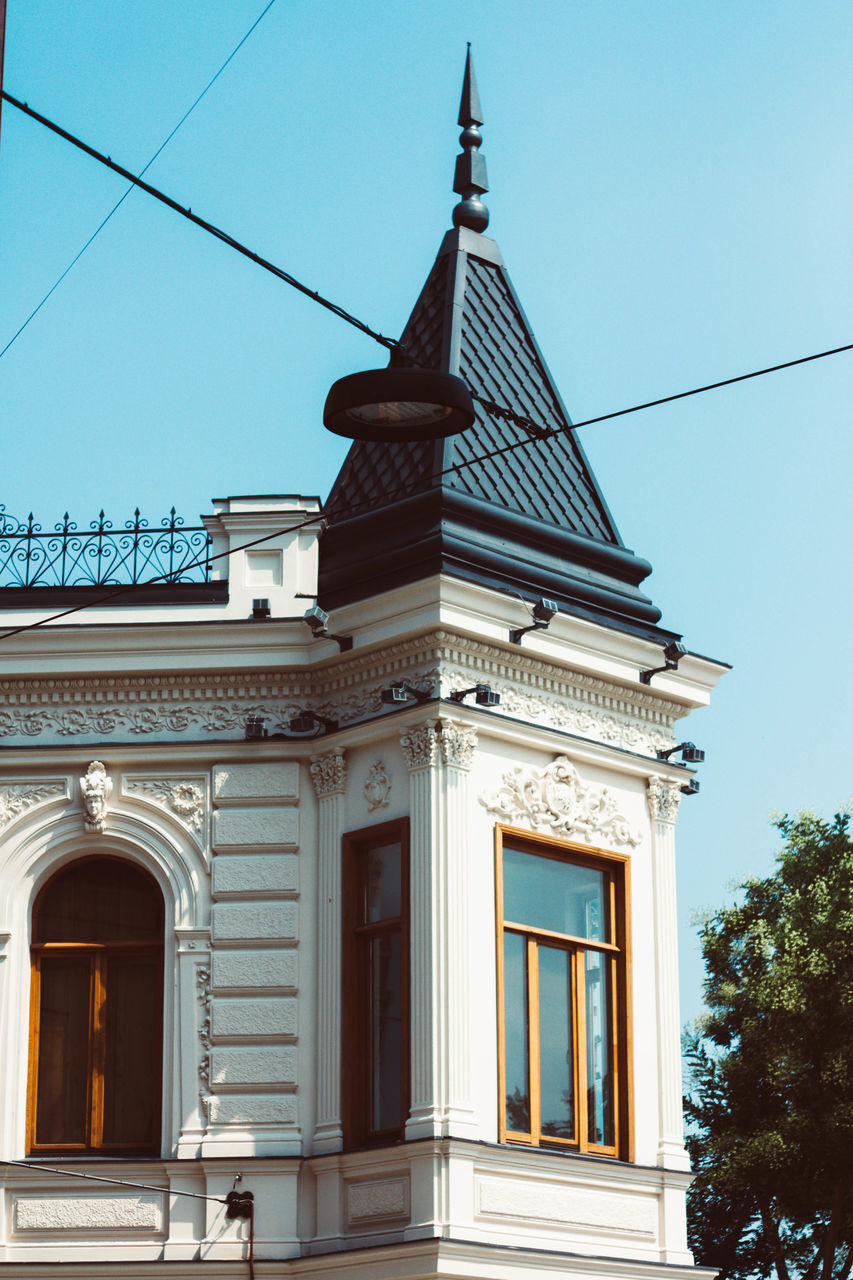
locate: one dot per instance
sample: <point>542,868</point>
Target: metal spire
<point>470,179</point>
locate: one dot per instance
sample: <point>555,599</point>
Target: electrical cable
<point>116,1182</point>
<point>457,467</point>
<point>216,232</point>
<point>121,201</point>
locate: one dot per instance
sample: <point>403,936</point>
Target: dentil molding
<point>556,799</point>
<point>175,706</point>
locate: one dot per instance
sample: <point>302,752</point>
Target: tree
<point>770,1102</point>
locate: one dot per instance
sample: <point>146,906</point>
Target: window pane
<point>386,1032</point>
<point>382,883</point>
<point>563,897</point>
<point>133,1054</point>
<point>100,900</point>
<point>63,1051</point>
<point>515,1026</point>
<point>599,1054</point>
<point>556,1069</point>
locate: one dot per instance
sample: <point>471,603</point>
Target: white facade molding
<point>329,776</point>
<point>95,788</point>
<point>329,773</point>
<point>557,800</point>
<point>457,744</point>
<point>18,798</point>
<point>377,787</point>
<point>175,707</point>
<point>186,797</point>
<point>664,796</point>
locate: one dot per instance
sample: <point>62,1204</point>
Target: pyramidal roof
<point>530,518</point>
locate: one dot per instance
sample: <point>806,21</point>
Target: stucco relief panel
<point>556,799</point>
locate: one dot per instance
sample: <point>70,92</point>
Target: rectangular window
<point>562,993</point>
<point>375,986</point>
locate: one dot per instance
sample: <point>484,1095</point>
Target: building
<point>372,918</point>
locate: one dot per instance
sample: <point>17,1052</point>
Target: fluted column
<point>421,753</point>
<point>664,796</point>
<point>329,775</point>
<point>457,745</point>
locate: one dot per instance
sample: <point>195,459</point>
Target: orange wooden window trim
<point>617,869</point>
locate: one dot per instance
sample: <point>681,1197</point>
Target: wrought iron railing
<point>101,555</point>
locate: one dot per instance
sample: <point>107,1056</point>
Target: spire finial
<point>470,180</point>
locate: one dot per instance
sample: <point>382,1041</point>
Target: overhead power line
<point>211,82</point>
<point>217,232</point>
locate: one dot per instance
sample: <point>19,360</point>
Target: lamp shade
<point>398,404</point>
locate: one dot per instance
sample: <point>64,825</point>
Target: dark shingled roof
<point>532,521</point>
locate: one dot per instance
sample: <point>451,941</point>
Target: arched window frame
<point>98,963</point>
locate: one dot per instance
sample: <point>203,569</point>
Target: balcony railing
<point>102,555</point>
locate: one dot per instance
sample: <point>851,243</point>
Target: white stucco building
<point>279,906</point>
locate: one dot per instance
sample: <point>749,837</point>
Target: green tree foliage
<point>770,1107</point>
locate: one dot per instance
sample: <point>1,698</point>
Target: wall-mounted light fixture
<point>484,695</point>
<point>256,728</point>
<point>691,788</point>
<point>672,655</point>
<point>399,692</point>
<point>309,722</point>
<point>260,609</point>
<point>542,613</point>
<point>690,753</point>
<point>318,620</point>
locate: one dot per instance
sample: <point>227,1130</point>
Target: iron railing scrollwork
<point>102,555</point>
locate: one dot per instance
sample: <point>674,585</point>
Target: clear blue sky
<point>672,189</point>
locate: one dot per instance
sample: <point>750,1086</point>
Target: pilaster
<point>329,776</point>
<point>663,797</point>
<point>421,753</point>
<point>457,745</point>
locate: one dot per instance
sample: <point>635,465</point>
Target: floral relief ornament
<point>95,788</point>
<point>16,800</point>
<point>377,787</point>
<point>184,798</point>
<point>556,798</point>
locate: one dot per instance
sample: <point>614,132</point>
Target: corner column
<point>457,745</point>
<point>329,777</point>
<point>421,754</point>
<point>664,797</point>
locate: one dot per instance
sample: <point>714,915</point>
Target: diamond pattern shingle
<point>488,342</point>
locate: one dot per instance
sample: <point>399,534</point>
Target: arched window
<point>97,1011</point>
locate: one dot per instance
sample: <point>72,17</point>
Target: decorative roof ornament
<point>470,180</point>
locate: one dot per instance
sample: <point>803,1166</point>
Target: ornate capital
<point>555,798</point>
<point>457,743</point>
<point>420,747</point>
<point>329,773</point>
<point>95,788</point>
<point>664,798</point>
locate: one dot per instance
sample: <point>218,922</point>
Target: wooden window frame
<point>356,1082</point>
<point>99,956</point>
<point>616,867</point>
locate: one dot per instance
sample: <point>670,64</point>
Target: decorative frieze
<point>664,797</point>
<point>17,799</point>
<point>329,773</point>
<point>557,799</point>
<point>172,706</point>
<point>95,788</point>
<point>377,787</point>
<point>183,797</point>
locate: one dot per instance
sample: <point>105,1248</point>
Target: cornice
<point>169,707</point>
